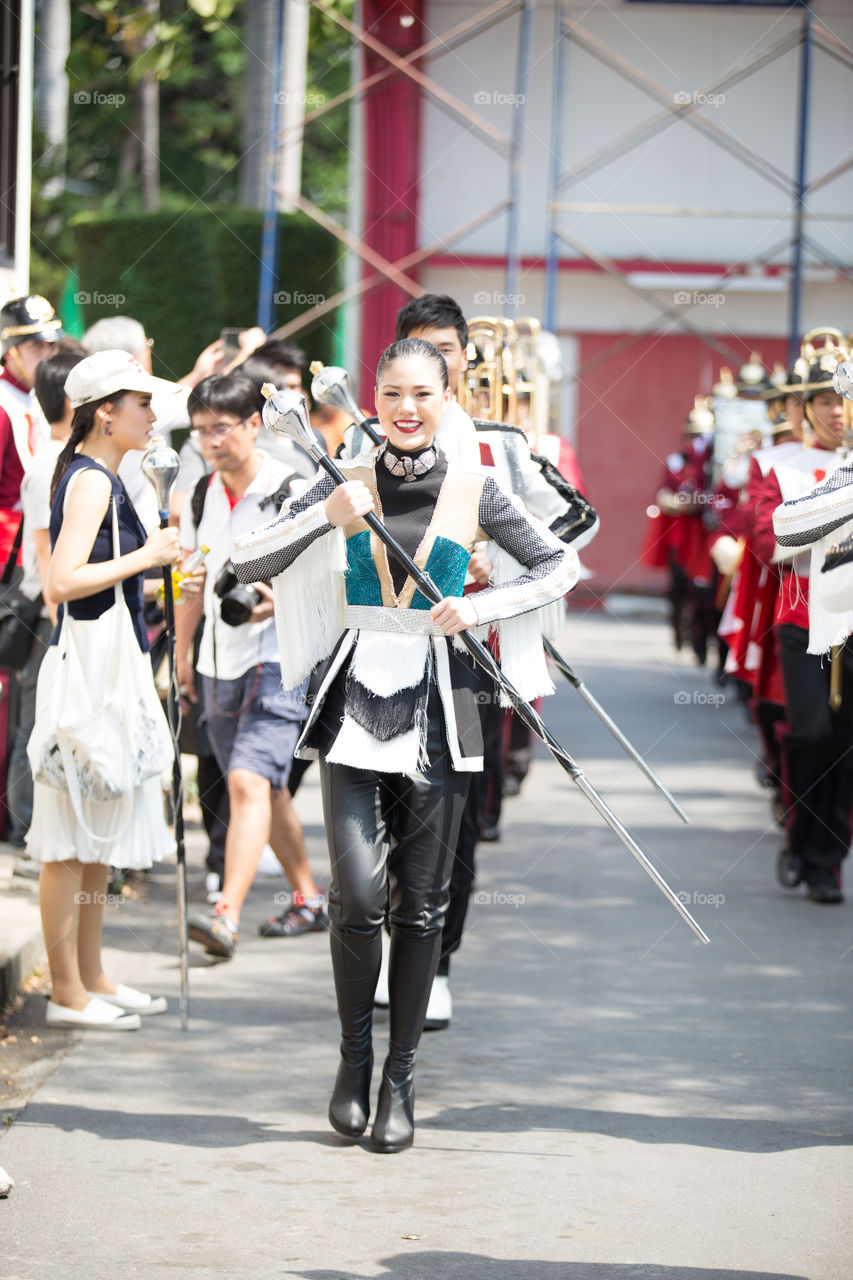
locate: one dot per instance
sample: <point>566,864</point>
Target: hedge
<point>187,274</point>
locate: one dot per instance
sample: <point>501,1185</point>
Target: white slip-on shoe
<point>212,888</point>
<point>440,1007</point>
<point>7,1182</point>
<point>97,1016</point>
<point>133,1001</point>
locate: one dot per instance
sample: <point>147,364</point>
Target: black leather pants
<point>819,752</point>
<point>392,838</point>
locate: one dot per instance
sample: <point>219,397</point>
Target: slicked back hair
<point>432,311</point>
<point>413,347</point>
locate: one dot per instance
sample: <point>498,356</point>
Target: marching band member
<point>819,747</point>
<point>395,721</point>
<point>505,451</point>
<point>683,497</point>
<point>748,620</point>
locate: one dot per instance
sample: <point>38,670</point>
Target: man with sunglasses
<point>252,723</point>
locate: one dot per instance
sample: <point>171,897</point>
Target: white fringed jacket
<point>330,580</point>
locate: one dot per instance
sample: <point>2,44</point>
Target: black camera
<point>238,599</point>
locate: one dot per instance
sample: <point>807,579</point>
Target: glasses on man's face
<point>215,434</point>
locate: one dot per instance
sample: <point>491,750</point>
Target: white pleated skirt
<point>134,834</point>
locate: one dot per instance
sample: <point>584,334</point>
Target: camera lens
<point>226,580</point>
<point>237,605</point>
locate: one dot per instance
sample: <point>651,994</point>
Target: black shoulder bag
<point>19,614</point>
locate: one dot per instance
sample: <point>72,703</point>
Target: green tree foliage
<point>185,276</point>
<point>326,144</point>
<point>198,58</point>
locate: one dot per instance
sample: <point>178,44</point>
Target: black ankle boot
<point>394,1126</point>
<point>349,1108</point>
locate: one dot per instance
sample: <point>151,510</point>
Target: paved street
<point>613,1100</point>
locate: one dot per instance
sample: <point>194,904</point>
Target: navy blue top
<point>131,536</point>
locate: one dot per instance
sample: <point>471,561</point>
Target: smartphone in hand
<point>230,344</point>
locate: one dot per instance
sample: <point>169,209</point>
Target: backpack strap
<point>198,499</point>
<point>277,499</point>
<point>13,554</point>
<point>281,494</point>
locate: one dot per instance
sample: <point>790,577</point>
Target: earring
<point>107,428</point>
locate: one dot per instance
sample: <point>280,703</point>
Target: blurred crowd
<point>35,425</point>
<point>740,598</point>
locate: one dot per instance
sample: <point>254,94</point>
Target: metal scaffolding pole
<point>800,191</point>
<point>513,235</point>
<point>552,260</point>
<point>268,275</point>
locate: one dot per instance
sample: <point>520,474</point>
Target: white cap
<point>106,372</point>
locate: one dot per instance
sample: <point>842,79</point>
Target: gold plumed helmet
<point>752,376</point>
<point>700,419</point>
<point>818,360</point>
<point>775,387</point>
<point>726,388</point>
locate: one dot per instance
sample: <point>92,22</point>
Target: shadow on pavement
<point>474,1266</point>
<point>724,1134</point>
<point>176,1129</point>
<point>218,1130</point>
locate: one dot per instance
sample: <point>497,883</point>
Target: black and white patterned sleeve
<point>802,521</point>
<point>550,567</point>
<point>270,549</point>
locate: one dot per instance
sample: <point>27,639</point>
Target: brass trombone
<point>489,386</point>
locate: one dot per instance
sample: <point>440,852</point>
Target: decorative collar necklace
<point>409,466</point>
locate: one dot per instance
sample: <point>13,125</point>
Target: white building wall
<point>687,49</point>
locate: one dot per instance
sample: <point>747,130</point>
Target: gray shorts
<point>253,723</point>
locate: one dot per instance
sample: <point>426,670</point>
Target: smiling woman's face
<point>410,401</point>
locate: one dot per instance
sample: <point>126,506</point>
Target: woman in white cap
<point>110,394</point>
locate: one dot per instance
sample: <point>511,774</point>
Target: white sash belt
<point>406,622</point>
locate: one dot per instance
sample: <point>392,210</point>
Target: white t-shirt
<point>236,649</point>
<point>35,504</point>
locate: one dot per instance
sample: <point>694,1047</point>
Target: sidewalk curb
<point>22,947</point>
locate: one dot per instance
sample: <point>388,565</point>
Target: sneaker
<point>789,868</point>
<point>26,868</point>
<point>305,916</point>
<point>440,1007</point>
<point>824,887</point>
<point>215,931</point>
<point>213,887</point>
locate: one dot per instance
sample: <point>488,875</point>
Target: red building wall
<point>630,411</point>
<point>392,151</point>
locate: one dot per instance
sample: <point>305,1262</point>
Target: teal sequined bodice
<point>446,565</point>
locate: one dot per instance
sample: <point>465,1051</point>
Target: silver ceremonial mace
<point>160,466</point>
<point>286,412</point>
<point>609,723</point>
<point>331,385</point>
